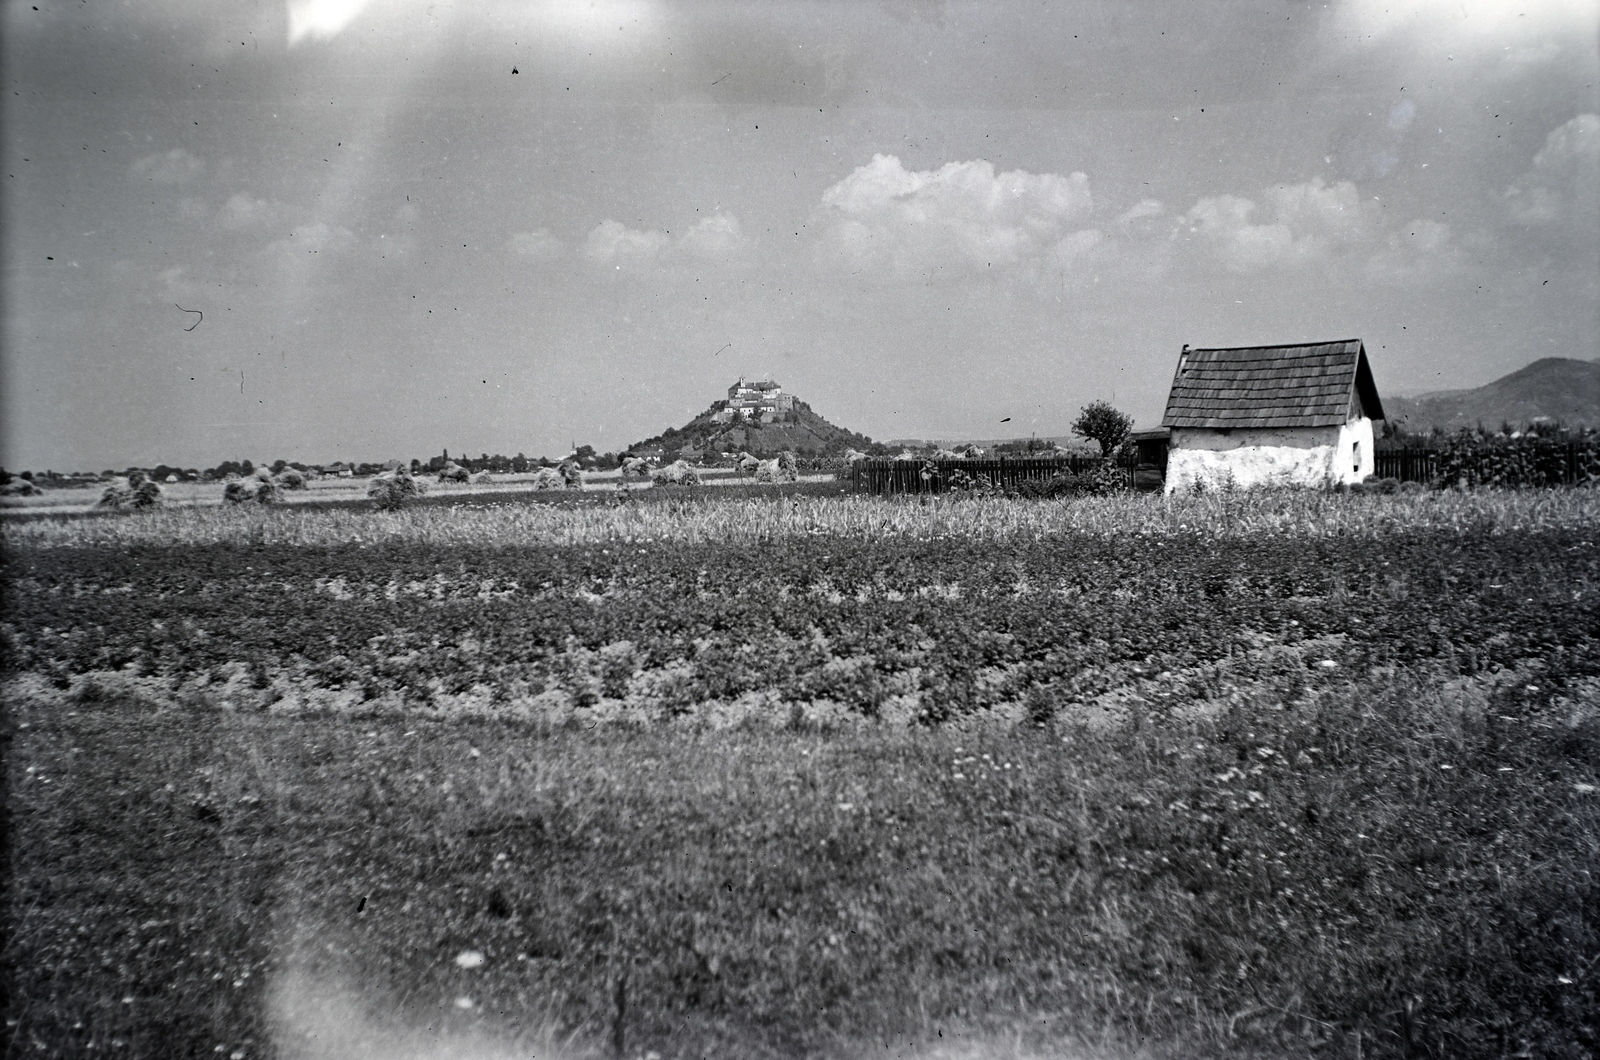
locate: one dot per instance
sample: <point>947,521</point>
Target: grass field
<point>1273,775</point>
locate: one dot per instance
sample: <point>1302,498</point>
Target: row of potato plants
<point>957,626</point>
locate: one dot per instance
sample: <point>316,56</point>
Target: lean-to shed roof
<point>1319,384</point>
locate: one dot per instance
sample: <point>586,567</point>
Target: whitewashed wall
<point>1244,459</point>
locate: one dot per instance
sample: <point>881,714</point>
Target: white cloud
<point>1333,212</point>
<point>1460,26</point>
<point>616,33</point>
<point>1576,141</point>
<point>612,242</point>
<point>1563,183</point>
<point>176,166</point>
<point>538,245</point>
<point>962,217</point>
<point>1071,248</point>
<point>1302,223</point>
<point>716,238</point>
<point>321,19</point>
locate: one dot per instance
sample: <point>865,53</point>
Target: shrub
<point>391,490</point>
<point>976,485</point>
<point>1376,485</point>
<point>1061,484</point>
<point>1101,479</point>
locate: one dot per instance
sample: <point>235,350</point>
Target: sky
<point>371,229</point>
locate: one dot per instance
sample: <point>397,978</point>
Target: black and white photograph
<point>800,529</point>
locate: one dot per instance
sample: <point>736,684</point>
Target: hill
<point>799,430</point>
<point>1558,388</point>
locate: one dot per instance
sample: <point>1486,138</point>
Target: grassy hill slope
<point>1559,388</point>
<point>802,432</point>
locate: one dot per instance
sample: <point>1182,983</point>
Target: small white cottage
<point>1271,416</point>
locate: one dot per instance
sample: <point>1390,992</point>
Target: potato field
<point>809,777</point>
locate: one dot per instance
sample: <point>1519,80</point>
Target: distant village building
<point>764,400</point>
<point>1271,416</point>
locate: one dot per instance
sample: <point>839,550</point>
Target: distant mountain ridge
<point>1558,388</point>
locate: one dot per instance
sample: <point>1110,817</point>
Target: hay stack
<point>636,467</point>
<point>547,478</point>
<point>391,490</point>
<point>571,474</point>
<point>257,488</point>
<point>454,472</point>
<point>780,469</point>
<point>479,476</point>
<point>138,490</point>
<point>290,479</point>
<point>678,473</point>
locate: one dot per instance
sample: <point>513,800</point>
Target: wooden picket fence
<point>1407,465</point>
<point>1542,463</point>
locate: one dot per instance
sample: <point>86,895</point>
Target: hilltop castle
<point>764,400</point>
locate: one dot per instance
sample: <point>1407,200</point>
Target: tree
<point>1102,422</point>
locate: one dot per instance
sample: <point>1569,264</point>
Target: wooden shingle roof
<point>1319,384</point>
